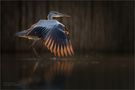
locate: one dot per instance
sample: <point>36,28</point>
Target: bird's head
<point>54,14</point>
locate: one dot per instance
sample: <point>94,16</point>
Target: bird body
<point>53,34</point>
<point>47,23</point>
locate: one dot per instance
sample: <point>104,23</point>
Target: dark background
<point>102,37</point>
<point>96,26</point>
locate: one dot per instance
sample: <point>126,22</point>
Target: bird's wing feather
<point>54,37</point>
<point>58,42</point>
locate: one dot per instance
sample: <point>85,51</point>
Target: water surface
<point>89,71</point>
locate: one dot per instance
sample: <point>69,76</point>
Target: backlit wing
<point>58,42</point>
<point>55,38</point>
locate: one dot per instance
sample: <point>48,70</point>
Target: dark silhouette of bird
<point>53,34</point>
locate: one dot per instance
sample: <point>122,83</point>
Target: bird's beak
<point>62,15</point>
<point>67,16</point>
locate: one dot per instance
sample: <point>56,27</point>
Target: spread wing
<point>57,42</point>
<point>55,38</point>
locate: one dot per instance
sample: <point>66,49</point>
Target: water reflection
<point>49,74</point>
<point>81,72</point>
<point>59,68</point>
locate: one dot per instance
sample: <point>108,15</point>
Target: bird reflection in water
<point>59,67</point>
<point>49,74</point>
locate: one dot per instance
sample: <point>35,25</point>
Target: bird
<point>54,35</point>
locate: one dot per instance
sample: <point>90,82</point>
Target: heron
<point>54,35</point>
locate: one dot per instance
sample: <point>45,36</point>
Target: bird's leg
<point>37,58</point>
<point>35,52</point>
<point>35,66</point>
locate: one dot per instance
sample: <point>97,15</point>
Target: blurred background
<point>100,26</point>
<point>96,27</point>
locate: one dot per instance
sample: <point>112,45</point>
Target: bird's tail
<point>22,34</point>
<point>25,34</point>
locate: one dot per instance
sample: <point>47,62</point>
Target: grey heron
<point>53,34</point>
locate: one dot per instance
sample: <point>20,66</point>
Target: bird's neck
<point>50,17</point>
